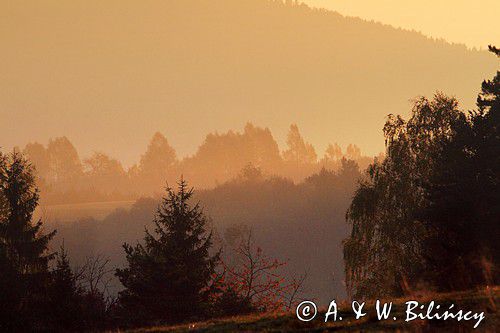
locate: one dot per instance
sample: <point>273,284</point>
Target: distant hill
<point>110,74</point>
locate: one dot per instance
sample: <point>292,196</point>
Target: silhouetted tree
<point>39,157</point>
<point>65,164</point>
<point>23,246</point>
<point>353,152</point>
<point>104,173</point>
<point>464,199</point>
<point>65,296</point>
<point>157,160</point>
<point>384,252</point>
<point>299,151</point>
<point>98,307</point>
<point>221,156</point>
<point>494,50</point>
<point>253,281</point>
<point>333,152</point>
<point>429,211</point>
<point>168,278</point>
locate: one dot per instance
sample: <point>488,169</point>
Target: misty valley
<point>250,165</point>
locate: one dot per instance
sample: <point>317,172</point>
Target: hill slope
<point>474,301</point>
<point>124,69</point>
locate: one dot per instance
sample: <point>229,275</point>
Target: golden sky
<point>109,74</point>
<point>475,23</point>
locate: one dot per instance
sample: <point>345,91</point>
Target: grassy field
<point>476,301</point>
<point>73,212</point>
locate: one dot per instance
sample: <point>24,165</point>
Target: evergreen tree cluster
<point>33,295</point>
<point>173,276</point>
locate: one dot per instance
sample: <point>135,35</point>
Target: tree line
<point>66,178</point>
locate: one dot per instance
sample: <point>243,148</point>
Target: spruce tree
<point>23,246</point>
<point>65,296</point>
<point>168,277</point>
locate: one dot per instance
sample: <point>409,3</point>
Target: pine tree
<point>464,195</point>
<point>23,246</point>
<point>168,277</point>
<point>65,295</point>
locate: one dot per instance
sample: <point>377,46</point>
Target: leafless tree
<point>259,279</point>
<point>95,276</point>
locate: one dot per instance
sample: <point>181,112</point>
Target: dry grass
<point>484,300</point>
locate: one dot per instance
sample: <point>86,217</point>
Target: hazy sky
<point>474,23</point>
<point>109,74</point>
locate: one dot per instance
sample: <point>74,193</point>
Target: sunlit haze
<point>108,75</point>
<point>474,23</point>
